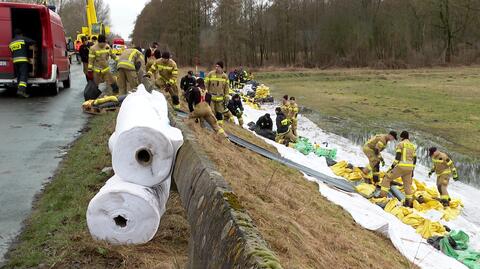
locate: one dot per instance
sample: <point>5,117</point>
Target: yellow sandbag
<point>105,99</point>
<point>340,169</point>
<point>425,195</point>
<point>87,104</point>
<point>391,205</point>
<point>382,200</point>
<point>356,174</point>
<point>450,213</point>
<point>262,91</point>
<point>365,189</point>
<point>413,220</point>
<point>456,203</point>
<point>431,228</point>
<point>429,205</point>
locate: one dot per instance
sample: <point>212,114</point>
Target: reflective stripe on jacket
<point>129,58</point>
<point>166,69</point>
<point>408,153</point>
<point>442,164</point>
<point>377,142</point>
<point>19,49</point>
<point>217,84</point>
<point>99,56</point>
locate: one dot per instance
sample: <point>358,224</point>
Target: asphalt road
<point>34,134</point>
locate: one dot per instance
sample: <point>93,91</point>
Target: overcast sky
<point>123,14</point>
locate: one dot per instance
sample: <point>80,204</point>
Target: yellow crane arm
<point>91,15</point>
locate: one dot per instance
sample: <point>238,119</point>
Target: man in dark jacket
<point>19,49</point>
<point>264,127</point>
<point>265,122</point>
<point>186,82</point>
<point>284,130</point>
<point>234,108</point>
<point>83,52</point>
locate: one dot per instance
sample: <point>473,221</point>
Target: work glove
<point>286,122</point>
<point>455,175</point>
<point>90,75</point>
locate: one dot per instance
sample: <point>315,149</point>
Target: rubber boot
<point>383,194</point>
<point>408,203</point>
<point>445,202</point>
<point>22,91</point>
<point>176,102</point>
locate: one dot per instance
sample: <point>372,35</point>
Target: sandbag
<point>126,213</point>
<point>91,91</point>
<point>144,144</point>
<point>304,146</point>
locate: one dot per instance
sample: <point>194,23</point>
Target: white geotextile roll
<point>111,141</point>
<point>144,144</point>
<point>126,213</point>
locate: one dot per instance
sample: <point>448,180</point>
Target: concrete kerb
<point>222,233</point>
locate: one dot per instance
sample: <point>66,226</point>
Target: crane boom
<point>91,15</point>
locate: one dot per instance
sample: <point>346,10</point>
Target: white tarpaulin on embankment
<point>371,216</point>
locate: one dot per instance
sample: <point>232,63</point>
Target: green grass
<point>58,219</point>
<point>56,233</point>
<point>441,102</point>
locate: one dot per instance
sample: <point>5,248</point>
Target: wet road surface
<point>34,133</point>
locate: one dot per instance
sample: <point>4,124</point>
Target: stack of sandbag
<point>128,209</point>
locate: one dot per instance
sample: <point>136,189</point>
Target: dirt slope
<point>302,227</point>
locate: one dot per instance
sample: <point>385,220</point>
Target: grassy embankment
<point>440,102</point>
<point>303,228</point>
<point>56,233</point>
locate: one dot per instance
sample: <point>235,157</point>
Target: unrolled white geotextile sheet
<point>143,124</point>
<point>370,216</point>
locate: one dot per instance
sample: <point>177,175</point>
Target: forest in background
<point>314,33</point>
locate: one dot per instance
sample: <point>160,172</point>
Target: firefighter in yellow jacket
<point>130,62</point>
<point>372,149</point>
<point>216,83</point>
<point>98,67</point>
<point>293,114</point>
<point>19,49</point>
<point>285,105</point>
<point>198,104</point>
<point>167,73</point>
<point>444,168</point>
<point>403,166</point>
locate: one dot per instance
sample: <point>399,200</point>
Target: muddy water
<point>468,166</point>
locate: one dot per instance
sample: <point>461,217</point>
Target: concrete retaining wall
<point>222,233</point>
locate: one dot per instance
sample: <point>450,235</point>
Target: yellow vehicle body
<point>93,28</point>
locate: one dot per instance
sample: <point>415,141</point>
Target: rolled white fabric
<point>144,144</point>
<point>125,213</point>
<point>111,142</point>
